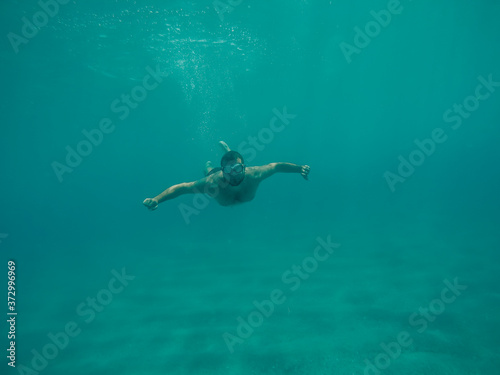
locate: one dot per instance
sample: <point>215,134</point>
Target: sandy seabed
<point>343,317</point>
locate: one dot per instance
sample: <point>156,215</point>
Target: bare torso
<point>216,185</point>
<point>227,195</point>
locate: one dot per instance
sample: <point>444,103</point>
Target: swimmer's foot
<point>150,203</point>
<point>224,146</point>
<point>208,167</point>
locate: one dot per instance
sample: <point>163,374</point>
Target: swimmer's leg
<point>224,146</point>
<point>208,167</point>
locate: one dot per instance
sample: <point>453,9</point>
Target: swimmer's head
<point>233,168</point>
<point>231,156</point>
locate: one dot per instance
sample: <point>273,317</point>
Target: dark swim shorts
<point>214,170</point>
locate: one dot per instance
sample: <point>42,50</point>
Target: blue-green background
<point>222,78</point>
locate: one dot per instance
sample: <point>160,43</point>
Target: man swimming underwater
<point>229,184</point>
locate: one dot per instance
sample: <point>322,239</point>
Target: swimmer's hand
<point>305,171</point>
<point>150,203</point>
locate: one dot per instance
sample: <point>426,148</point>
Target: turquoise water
<point>384,262</point>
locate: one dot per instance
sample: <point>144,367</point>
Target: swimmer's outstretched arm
<point>272,168</point>
<point>174,191</point>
